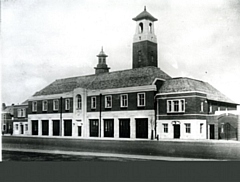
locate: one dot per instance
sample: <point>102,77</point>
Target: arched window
<point>79,102</point>
<point>150,27</point>
<point>140,28</point>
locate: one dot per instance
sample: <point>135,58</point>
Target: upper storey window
<point>141,99</point>
<point>55,105</point>
<point>176,105</point>
<point>79,102</point>
<point>44,105</point>
<point>21,112</point>
<point>34,106</point>
<point>140,28</point>
<point>67,104</point>
<point>93,102</point>
<point>124,100</point>
<point>108,101</point>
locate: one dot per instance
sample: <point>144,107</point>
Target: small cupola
<point>101,66</point>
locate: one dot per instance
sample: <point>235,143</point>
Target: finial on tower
<point>145,8</point>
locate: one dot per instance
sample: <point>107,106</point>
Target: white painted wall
<point>194,134</point>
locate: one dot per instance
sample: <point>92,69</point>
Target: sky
<point>45,40</point>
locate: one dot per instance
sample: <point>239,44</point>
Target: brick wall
<point>50,106</point>
<point>146,47</point>
<point>132,102</point>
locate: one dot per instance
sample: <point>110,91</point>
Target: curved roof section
<point>182,84</point>
<point>118,79</point>
<point>145,15</point>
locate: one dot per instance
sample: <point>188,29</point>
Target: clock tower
<point>144,41</point>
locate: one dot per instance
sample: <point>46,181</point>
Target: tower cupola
<point>101,66</point>
<point>144,41</point>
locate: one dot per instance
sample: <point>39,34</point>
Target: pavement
<point>175,149</point>
<point>155,158</point>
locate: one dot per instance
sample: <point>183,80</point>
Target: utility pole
<point>100,114</point>
<point>60,116</point>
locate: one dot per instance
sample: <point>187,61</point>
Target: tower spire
<point>101,66</point>
<point>145,8</point>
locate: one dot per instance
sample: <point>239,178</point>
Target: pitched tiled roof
<point>118,79</point>
<point>187,84</point>
<point>145,15</point>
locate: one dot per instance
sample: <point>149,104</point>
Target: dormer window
<point>79,102</point>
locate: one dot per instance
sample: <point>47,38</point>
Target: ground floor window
<point>165,128</point>
<point>26,127</point>
<point>4,127</point>
<point>188,128</point>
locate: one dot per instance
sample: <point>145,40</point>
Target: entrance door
<point>176,131</point>
<point>124,128</point>
<point>67,127</point>
<point>21,128</point>
<point>34,127</point>
<point>212,131</point>
<point>108,127</point>
<point>45,127</point>
<point>142,128</point>
<point>94,127</point>
<point>56,127</point>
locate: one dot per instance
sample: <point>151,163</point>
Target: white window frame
<point>93,103</point>
<point>34,106</point>
<point>124,101</point>
<point>21,112</point>
<point>171,106</point>
<point>188,127</point>
<point>67,104</point>
<point>202,107</point>
<point>44,107</point>
<point>165,128</point>
<point>138,100</point>
<point>79,102</point>
<point>106,101</point>
<point>210,109</point>
<point>54,105</point>
<point>16,126</point>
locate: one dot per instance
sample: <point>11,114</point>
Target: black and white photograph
<point>120,80</point>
